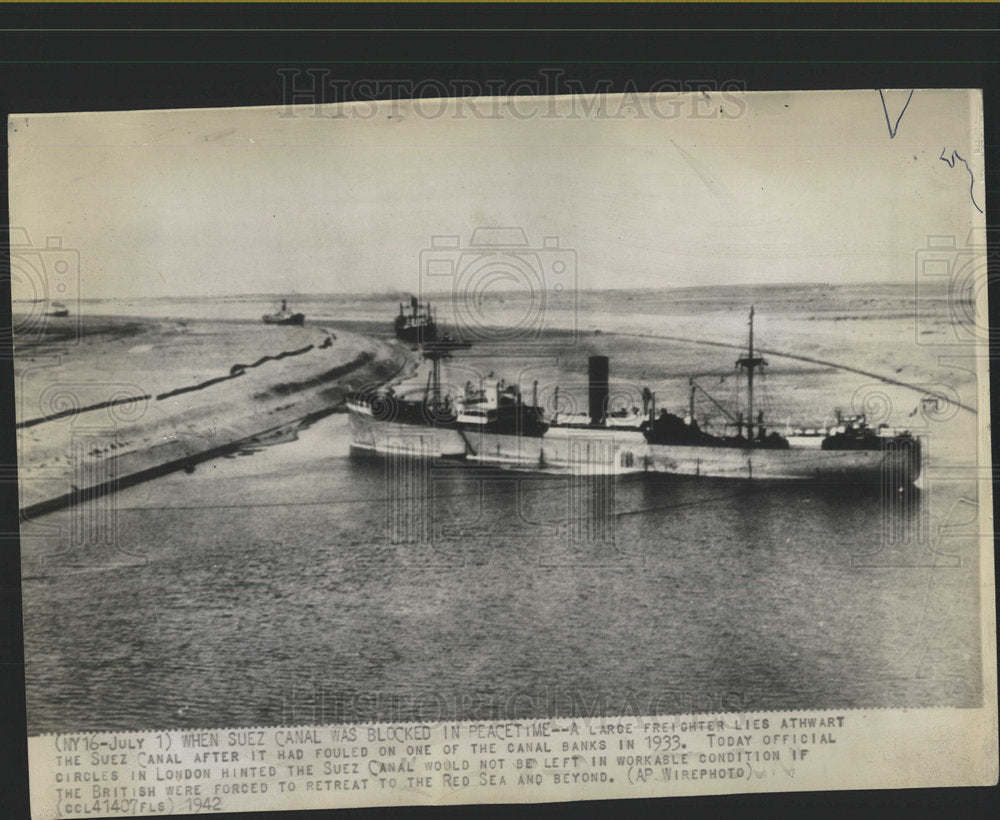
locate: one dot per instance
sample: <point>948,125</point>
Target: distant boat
<point>57,309</point>
<point>417,326</point>
<point>284,317</point>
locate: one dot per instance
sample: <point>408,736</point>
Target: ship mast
<point>751,363</point>
<point>435,352</point>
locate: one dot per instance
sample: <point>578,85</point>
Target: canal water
<point>297,584</point>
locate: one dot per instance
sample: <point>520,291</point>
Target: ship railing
<point>570,419</point>
<point>476,417</point>
<point>630,420</point>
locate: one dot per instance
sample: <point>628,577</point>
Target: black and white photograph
<point>446,447</point>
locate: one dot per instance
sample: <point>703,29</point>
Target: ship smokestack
<point>598,390</point>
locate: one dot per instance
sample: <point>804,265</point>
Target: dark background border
<point>58,57</point>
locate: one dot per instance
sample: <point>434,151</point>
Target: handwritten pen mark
<point>894,128</point>
<point>957,157</point>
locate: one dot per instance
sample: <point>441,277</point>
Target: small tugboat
<point>417,326</point>
<point>284,316</point>
<point>57,309</point>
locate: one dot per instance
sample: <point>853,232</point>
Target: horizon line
<point>942,285</point>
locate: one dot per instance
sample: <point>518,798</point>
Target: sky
<point>668,190</point>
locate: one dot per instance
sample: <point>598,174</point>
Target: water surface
<point>298,584</point>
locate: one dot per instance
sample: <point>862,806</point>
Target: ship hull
<point>296,319</point>
<point>370,436</point>
<point>893,464</point>
<point>503,450</point>
<point>571,450</point>
<point>418,334</point>
<point>583,451</point>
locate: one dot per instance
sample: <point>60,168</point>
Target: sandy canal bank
<point>103,402</point>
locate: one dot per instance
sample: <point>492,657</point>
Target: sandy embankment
<point>103,400</point>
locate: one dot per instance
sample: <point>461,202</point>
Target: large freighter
<point>494,424</point>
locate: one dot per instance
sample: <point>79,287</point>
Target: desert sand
<point>104,401</point>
